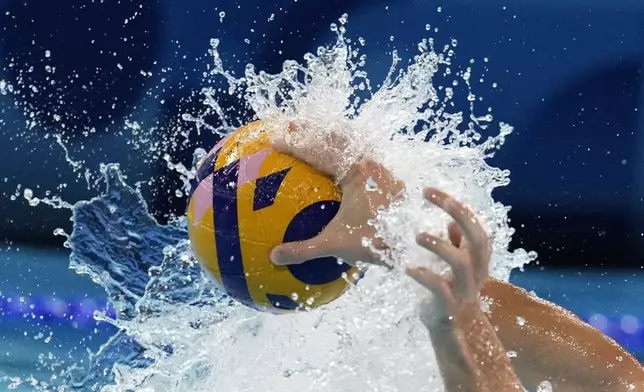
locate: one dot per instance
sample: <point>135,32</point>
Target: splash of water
<point>178,333</point>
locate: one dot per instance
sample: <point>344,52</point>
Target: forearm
<point>552,344</point>
<point>471,358</point>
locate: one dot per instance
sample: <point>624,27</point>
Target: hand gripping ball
<point>248,199</point>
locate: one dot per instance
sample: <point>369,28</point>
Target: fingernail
<point>430,193</point>
<point>425,239</point>
<point>274,257</point>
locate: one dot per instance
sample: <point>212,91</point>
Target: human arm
<point>553,344</point>
<point>470,355</point>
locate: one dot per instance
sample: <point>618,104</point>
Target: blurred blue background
<point>568,76</point>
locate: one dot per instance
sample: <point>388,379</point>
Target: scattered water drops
<point>28,194</point>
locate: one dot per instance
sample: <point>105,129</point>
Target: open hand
<point>366,187</point>
<point>467,253</point>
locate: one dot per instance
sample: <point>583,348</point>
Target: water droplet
<point>371,185</point>
<point>60,232</point>
<point>545,386</point>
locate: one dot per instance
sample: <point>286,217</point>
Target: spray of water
<point>178,333</point>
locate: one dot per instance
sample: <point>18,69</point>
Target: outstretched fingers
<point>461,269</point>
<point>431,281</point>
<point>473,232</point>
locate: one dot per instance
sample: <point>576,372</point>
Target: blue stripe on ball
<point>208,166</point>
<point>229,256</point>
<point>305,225</point>
<point>204,170</point>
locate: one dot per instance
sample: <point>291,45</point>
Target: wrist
<point>466,318</point>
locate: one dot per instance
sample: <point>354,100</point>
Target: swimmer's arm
<point>554,345</point>
<point>471,357</point>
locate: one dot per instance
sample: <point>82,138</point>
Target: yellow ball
<point>250,198</point>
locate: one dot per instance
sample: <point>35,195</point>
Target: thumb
<point>301,251</point>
